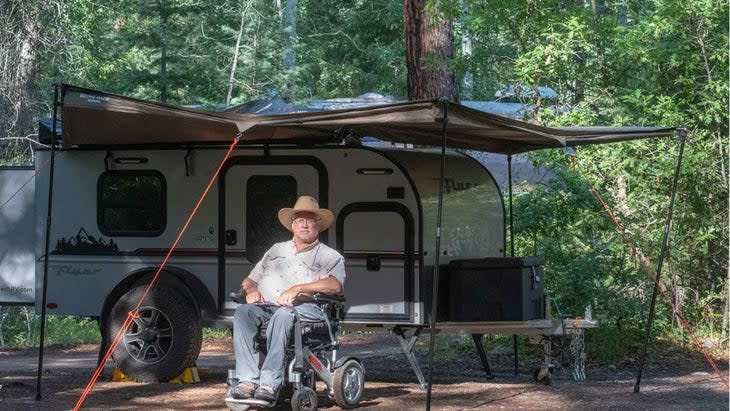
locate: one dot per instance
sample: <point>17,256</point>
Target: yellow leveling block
<point>190,375</point>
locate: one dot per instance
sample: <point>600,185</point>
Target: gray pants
<point>279,322</point>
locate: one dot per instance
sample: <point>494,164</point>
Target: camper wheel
<point>162,341</point>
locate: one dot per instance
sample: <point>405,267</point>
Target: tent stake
<point>435,292</point>
<point>662,255</point>
<point>56,104</point>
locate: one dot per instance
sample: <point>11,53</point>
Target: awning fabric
<point>97,118</point>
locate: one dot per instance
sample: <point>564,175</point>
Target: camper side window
<point>265,195</point>
<point>131,203</point>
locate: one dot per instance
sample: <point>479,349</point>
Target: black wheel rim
<point>352,384</point>
<point>306,400</point>
<point>149,337</point>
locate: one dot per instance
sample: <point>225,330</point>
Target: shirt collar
<point>311,246</point>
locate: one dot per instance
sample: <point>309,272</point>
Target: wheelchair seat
<point>316,335</point>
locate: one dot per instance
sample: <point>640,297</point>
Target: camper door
<point>377,239</point>
<point>255,188</point>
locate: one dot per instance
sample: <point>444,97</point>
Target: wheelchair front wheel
<point>304,399</point>
<point>349,384</point>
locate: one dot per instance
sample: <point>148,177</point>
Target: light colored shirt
<point>283,267</point>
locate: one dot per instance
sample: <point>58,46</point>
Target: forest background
<point>614,63</point>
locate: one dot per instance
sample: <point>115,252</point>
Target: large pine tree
<point>429,49</point>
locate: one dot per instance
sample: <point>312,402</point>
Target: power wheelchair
<point>312,355</point>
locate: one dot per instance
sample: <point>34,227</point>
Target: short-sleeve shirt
<point>283,267</point>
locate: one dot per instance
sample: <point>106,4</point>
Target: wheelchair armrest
<point>320,298</point>
<point>238,296</point>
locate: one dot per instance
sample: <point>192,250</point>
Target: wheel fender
<point>342,360</point>
<point>178,278</point>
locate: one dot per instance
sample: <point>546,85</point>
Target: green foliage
<point>20,327</point>
<point>659,63</point>
<point>183,51</point>
<point>350,50</point>
<point>216,333</point>
<point>611,344</point>
<point>447,347</point>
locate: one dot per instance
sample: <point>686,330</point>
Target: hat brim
<point>326,217</point>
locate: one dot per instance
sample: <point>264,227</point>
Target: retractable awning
<point>97,118</point>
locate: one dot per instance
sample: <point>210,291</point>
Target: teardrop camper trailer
<point>130,171</point>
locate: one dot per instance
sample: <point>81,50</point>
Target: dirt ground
<point>686,384</point>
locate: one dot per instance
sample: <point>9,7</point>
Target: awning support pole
<point>56,105</point>
<point>662,255</point>
<point>435,292</point>
<point>511,223</point>
<point>512,249</point>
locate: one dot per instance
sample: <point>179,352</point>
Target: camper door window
<point>132,203</point>
<point>265,195</point>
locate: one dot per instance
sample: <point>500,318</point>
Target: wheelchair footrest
<point>235,404</point>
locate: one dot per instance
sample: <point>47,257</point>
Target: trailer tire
<point>162,341</point>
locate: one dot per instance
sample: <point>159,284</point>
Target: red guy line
<point>662,287</point>
<point>135,313</point>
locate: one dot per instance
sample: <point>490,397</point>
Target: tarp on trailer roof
<point>97,118</point>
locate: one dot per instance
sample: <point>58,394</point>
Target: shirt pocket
<point>279,265</point>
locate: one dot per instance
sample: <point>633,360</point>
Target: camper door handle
<point>372,262</point>
<point>231,237</point>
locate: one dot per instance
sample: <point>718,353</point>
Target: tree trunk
<point>289,55</point>
<point>594,10</point>
<point>467,83</point>
<point>163,51</point>
<point>25,81</point>
<point>429,48</point>
<point>232,78</point>
<point>726,311</point>
<point>289,22</point>
<point>21,40</point>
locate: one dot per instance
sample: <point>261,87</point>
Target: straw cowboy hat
<point>310,205</point>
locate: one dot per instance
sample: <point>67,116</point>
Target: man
<point>301,265</point>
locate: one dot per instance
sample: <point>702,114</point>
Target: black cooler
<point>496,289</point>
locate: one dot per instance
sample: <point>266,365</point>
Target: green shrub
<point>216,333</point>
<point>20,327</point>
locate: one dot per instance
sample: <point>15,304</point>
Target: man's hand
<point>327,285</point>
<point>251,288</point>
<point>286,298</point>
<point>254,297</point>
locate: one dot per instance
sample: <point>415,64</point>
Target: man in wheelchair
<point>289,269</point>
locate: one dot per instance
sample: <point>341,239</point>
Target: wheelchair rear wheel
<point>349,384</point>
<point>304,399</point>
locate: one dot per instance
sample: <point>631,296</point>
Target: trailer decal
<point>75,271</point>
<point>83,243</point>
<point>16,290</point>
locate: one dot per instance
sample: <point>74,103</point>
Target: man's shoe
<point>244,390</point>
<point>265,393</point>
